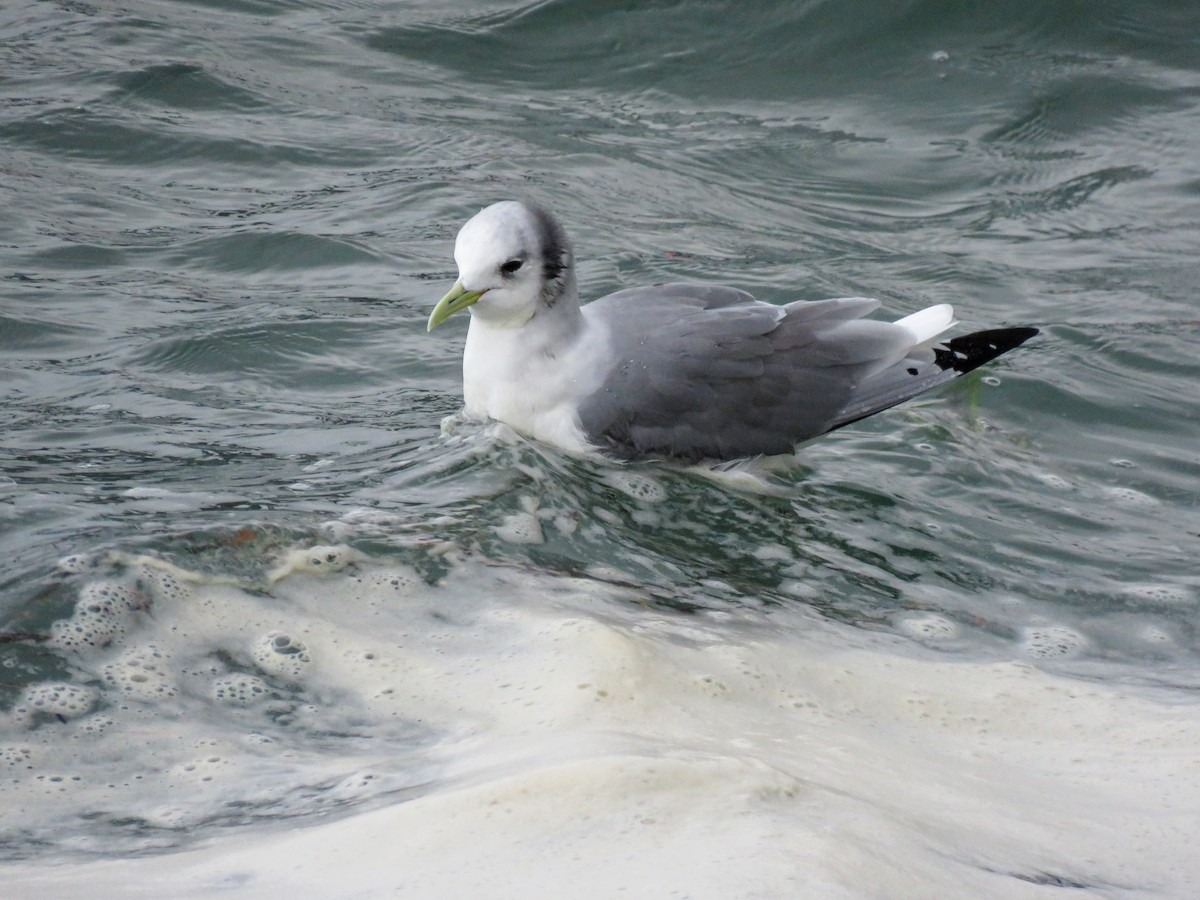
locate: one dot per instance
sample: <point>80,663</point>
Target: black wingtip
<point>963,354</point>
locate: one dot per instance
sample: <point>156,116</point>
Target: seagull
<point>691,372</point>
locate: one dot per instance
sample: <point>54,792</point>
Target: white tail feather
<point>927,324</point>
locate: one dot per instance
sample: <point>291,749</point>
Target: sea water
<point>267,628</point>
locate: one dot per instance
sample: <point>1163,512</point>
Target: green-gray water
<point>225,224</point>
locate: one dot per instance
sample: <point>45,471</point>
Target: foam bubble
<point>103,615</point>
<point>637,485</point>
<point>646,518</point>
<point>401,579</point>
<point>520,528</point>
<point>1156,636</point>
<point>162,584</point>
<point>1051,480</point>
<point>323,558</point>
<point>282,655</point>
<point>56,782</point>
<point>774,552</point>
<point>16,756</point>
<point>1159,594</point>
<point>606,515</point>
<point>95,725</point>
<point>172,817</point>
<point>929,628</point>
<point>202,768</point>
<point>81,633</point>
<point>354,787</point>
<point>240,689</point>
<point>378,590</point>
<point>59,699</point>
<point>77,564</point>
<point>362,520</point>
<point>537,696</point>
<point>140,673</point>
<point>1052,641</point>
<point>1129,496</point>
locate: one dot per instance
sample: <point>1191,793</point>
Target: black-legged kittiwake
<point>687,371</point>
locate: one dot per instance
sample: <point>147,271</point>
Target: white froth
<point>142,673</point>
<point>16,756</point>
<point>1156,635</point>
<point>637,485</point>
<point>105,612</point>
<point>323,559</point>
<point>278,653</point>
<point>77,564</point>
<point>564,739</point>
<point>1051,641</point>
<point>929,628</point>
<point>1162,593</point>
<point>520,528</point>
<point>1129,496</point>
<point>240,689</point>
<point>1052,480</point>
<point>58,699</point>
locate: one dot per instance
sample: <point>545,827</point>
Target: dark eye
<point>511,266</point>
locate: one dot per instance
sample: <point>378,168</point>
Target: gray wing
<point>711,373</point>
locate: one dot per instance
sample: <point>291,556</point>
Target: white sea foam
<point>550,736</point>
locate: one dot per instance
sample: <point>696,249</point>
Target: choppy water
<point>260,609</point>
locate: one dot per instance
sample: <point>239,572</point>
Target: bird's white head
<point>514,262</point>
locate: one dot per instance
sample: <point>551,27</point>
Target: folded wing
<point>709,372</point>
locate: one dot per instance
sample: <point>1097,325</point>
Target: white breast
<point>532,383</point>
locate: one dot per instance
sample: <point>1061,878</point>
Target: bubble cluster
<point>1052,641</point>
<point>203,768</point>
<point>929,628</point>
<point>103,615</point>
<point>77,563</point>
<point>141,673</point>
<point>355,786</point>
<point>58,699</point>
<point>95,725</point>
<point>282,655</point>
<point>380,590</point>
<point>638,486</point>
<point>520,528</point>
<point>240,689</point>
<point>1155,636</point>
<point>1129,496</point>
<point>400,579</point>
<point>15,756</point>
<point>162,584</point>
<point>319,559</point>
<point>168,667</point>
<point>55,782</point>
<point>1159,594</point>
<point>1051,480</point>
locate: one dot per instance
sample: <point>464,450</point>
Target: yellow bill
<point>458,298</point>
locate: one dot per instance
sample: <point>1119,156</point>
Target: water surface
<point>262,611</point>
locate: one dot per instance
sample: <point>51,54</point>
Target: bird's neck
<point>524,375</point>
<point>556,324</point>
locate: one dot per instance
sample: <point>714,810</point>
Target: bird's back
<point>708,372</point>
